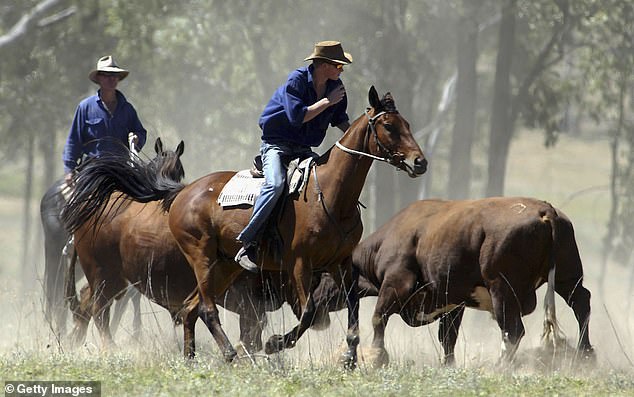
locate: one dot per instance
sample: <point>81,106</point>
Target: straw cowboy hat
<point>330,51</point>
<point>107,64</point>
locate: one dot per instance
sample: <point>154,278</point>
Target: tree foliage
<point>203,70</point>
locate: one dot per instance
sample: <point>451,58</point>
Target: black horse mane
<point>96,179</point>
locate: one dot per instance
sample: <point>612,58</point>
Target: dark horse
<point>55,239</point>
<point>318,228</point>
<point>128,234</point>
<point>436,257</point>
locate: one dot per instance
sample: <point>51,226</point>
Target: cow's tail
<point>70,295</point>
<point>552,336</point>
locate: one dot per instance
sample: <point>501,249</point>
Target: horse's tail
<point>98,178</point>
<point>70,296</point>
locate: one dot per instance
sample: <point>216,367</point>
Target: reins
<point>320,198</point>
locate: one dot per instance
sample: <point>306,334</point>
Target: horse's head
<point>391,133</point>
<point>167,163</point>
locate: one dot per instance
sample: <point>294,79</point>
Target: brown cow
<point>437,257</point>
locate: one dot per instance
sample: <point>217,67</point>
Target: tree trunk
<point>466,93</point>
<point>27,270</point>
<point>501,127</point>
<point>394,189</point>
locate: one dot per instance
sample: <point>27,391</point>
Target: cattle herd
<point>432,260</point>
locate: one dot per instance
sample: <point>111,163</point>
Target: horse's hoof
<point>230,355</point>
<point>377,357</point>
<point>349,360</point>
<point>275,344</point>
<point>588,355</point>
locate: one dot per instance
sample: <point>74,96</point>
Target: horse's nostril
<point>420,164</point>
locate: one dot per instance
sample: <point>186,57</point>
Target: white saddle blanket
<point>241,189</point>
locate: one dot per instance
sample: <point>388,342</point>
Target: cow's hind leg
<point>578,298</point>
<point>508,315</point>
<point>569,282</point>
<point>448,333</point>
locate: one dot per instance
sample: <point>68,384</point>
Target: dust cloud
<point>556,176</point>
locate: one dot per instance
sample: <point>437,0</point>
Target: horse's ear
<point>158,146</point>
<point>373,97</point>
<point>180,148</point>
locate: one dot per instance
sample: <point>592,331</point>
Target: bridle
<point>391,158</point>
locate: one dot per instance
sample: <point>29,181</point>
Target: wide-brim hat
<point>330,51</point>
<point>107,64</point>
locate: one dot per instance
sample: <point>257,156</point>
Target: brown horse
<point>58,249</point>
<point>137,248</point>
<point>435,257</point>
<point>118,249</point>
<point>318,228</point>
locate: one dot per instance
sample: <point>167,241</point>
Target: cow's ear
<point>373,97</point>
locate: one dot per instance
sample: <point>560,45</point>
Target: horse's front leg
<point>301,280</point>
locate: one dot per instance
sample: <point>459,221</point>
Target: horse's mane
<point>96,179</point>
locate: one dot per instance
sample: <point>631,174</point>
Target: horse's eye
<point>389,127</point>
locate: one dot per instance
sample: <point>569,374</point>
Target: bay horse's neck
<point>342,177</point>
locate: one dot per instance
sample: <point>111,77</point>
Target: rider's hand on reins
<point>335,96</point>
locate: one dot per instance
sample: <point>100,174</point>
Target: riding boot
<point>247,257</point>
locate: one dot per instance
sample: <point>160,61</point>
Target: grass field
<point>573,177</point>
<point>133,375</point>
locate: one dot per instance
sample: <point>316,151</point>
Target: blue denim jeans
<point>275,159</point>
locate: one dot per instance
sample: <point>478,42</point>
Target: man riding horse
<point>294,120</point>
<point>103,123</point>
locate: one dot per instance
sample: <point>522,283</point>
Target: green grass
<point>129,375</point>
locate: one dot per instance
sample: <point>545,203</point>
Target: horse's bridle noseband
<point>395,159</point>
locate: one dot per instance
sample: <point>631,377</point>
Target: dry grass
<point>29,350</point>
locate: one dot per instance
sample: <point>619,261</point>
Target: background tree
<point>202,71</point>
<point>464,127</point>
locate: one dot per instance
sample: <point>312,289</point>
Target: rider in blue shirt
<point>104,122</point>
<point>294,120</point>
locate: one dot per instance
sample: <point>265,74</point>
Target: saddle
<point>244,187</point>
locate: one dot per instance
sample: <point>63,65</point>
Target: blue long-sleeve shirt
<point>95,131</point>
<point>282,118</point>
